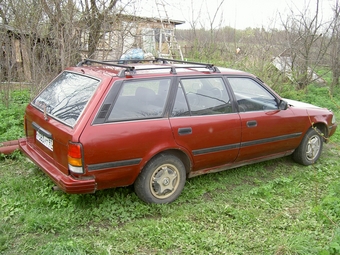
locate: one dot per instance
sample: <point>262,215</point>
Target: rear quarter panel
<point>115,153</point>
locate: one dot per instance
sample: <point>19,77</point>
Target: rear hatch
<point>53,117</point>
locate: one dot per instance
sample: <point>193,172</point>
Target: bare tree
<point>194,17</point>
<point>335,47</point>
<point>19,27</point>
<point>2,13</point>
<point>94,15</point>
<point>218,14</point>
<point>49,32</point>
<point>62,19</point>
<point>215,21</point>
<point>307,43</point>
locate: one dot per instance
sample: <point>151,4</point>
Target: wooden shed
<point>24,54</point>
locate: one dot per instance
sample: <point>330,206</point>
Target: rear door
<point>203,122</point>
<point>129,128</point>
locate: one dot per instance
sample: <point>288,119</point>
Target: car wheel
<point>161,180</point>
<point>310,148</point>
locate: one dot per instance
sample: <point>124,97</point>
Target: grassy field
<point>275,207</point>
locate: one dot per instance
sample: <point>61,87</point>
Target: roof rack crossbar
<point>172,68</point>
<point>108,63</point>
<point>130,69</point>
<point>208,66</point>
<point>179,61</point>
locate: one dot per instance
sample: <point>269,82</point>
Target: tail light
<point>75,158</point>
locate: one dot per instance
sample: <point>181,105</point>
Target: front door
<point>266,130</point>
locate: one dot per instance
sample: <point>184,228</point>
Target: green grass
<point>275,207</point>
<point>12,109</point>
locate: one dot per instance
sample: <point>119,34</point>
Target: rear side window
<point>201,96</point>
<point>66,97</point>
<point>141,99</point>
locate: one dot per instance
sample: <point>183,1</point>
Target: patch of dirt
<point>207,196</point>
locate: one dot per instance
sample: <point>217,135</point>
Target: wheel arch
<point>178,153</point>
<point>323,129</point>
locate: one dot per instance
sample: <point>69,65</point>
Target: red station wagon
<point>108,124</point>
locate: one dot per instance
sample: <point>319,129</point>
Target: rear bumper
<point>9,147</point>
<point>66,183</point>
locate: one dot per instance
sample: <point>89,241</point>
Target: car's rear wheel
<point>310,148</point>
<point>161,180</point>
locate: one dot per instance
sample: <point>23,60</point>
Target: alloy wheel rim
<point>164,181</point>
<point>313,147</point>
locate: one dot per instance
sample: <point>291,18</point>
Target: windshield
<point>66,97</point>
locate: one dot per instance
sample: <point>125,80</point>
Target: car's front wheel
<point>161,180</point>
<point>310,148</point>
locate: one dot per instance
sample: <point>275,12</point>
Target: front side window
<point>141,99</point>
<point>201,96</point>
<point>251,96</point>
<point>66,97</point>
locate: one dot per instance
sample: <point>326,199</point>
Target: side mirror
<point>283,105</point>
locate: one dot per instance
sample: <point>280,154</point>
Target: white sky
<point>238,14</point>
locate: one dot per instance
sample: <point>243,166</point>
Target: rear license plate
<point>48,142</point>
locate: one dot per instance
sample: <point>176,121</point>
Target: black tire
<point>161,180</point>
<point>310,148</point>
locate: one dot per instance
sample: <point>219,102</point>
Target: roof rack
<point>204,65</point>
<point>132,70</point>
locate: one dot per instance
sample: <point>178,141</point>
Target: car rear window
<point>66,96</point>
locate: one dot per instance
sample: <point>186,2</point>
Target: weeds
<point>12,113</point>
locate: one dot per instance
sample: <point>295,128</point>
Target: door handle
<point>185,131</point>
<point>251,123</point>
